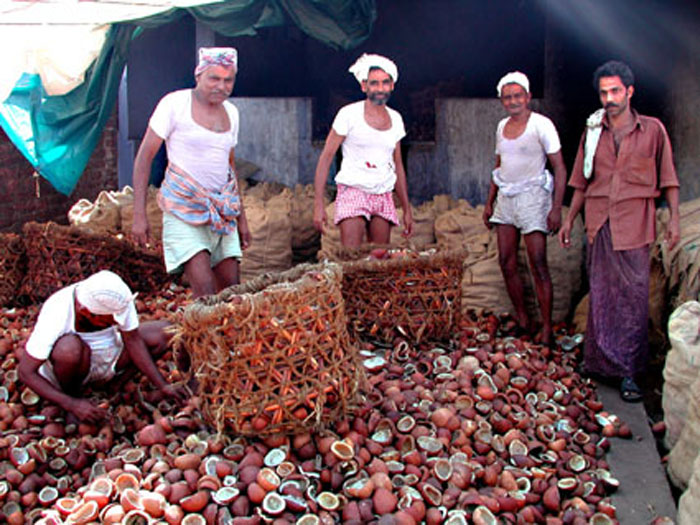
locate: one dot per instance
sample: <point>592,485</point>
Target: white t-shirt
<point>57,318</point>
<point>368,154</point>
<point>523,159</point>
<point>200,152</point>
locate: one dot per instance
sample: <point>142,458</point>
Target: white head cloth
<point>363,64</point>
<point>514,77</point>
<point>105,293</point>
<point>216,56</point>
<point>594,127</point>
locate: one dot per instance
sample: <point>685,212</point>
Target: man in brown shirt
<point>617,181</point>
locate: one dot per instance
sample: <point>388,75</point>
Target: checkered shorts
<point>351,202</point>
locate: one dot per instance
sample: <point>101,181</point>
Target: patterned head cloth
<point>216,56</point>
<point>105,293</point>
<point>363,64</point>
<point>514,77</point>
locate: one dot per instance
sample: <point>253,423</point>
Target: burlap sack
<point>306,239</point>
<point>684,452</point>
<point>484,288</point>
<point>265,190</point>
<point>682,264</point>
<point>462,227</point>
<point>689,503</point>
<point>423,227</point>
<point>580,319</point>
<point>330,240</point>
<point>681,368</point>
<point>102,216</point>
<point>154,215</point>
<point>271,232</point>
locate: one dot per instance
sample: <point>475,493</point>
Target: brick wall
<point>18,200</point>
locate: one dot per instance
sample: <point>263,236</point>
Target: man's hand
<point>673,234</point>
<point>86,411</point>
<point>320,218</point>
<point>140,230</point>
<point>554,219</point>
<point>565,234</point>
<point>488,211</point>
<point>407,222</point>
<point>244,233</point>
<point>176,392</point>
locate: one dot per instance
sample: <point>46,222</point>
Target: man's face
<point>515,99</point>
<point>614,96</point>
<point>85,319</point>
<point>215,83</point>
<point>378,86</point>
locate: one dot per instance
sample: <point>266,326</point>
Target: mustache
<point>611,105</point>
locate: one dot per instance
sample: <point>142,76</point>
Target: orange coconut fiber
<point>273,354</point>
<point>12,266</point>
<point>404,293</point>
<point>60,255</point>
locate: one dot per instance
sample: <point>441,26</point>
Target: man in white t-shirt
<point>86,333</point>
<point>370,134</point>
<point>204,224</point>
<point>527,198</point>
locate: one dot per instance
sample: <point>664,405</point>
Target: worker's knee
<point>69,350</point>
<point>508,261</point>
<point>540,270</point>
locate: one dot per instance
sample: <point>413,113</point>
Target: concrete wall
<point>275,134</point>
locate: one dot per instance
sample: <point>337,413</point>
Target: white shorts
<point>105,348</point>
<point>527,211</point>
<point>182,241</point>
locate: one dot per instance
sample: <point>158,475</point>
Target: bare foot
<point>544,337</point>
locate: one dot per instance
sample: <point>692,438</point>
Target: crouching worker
<point>89,332</point>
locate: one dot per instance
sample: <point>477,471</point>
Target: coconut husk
<point>13,266</point>
<point>414,295</point>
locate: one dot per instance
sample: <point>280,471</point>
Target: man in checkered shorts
<point>370,134</point>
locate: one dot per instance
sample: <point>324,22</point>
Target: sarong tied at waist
<point>185,198</point>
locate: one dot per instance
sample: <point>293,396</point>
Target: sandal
<point>629,391</point>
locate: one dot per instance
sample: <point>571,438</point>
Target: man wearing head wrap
<point>87,333</point>
<point>204,224</point>
<point>524,198</point>
<point>370,135</point>
<point>624,163</point>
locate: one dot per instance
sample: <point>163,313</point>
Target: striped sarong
<point>185,198</point>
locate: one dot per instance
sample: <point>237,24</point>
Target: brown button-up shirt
<point>623,186</point>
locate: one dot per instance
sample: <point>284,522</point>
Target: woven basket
<point>416,296</point>
<point>13,264</point>
<point>273,355</point>
<point>61,255</point>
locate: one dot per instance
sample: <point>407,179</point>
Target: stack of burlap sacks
<point>280,221</point>
<point>455,224</point>
<point>681,405</point>
<point>281,224</point>
<point>678,276</point>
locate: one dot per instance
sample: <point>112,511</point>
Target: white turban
<point>363,64</point>
<point>105,293</point>
<point>216,56</point>
<point>514,77</point>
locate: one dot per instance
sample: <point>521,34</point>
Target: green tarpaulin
<point>57,134</point>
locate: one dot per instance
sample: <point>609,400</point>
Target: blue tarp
<point>58,134</point>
